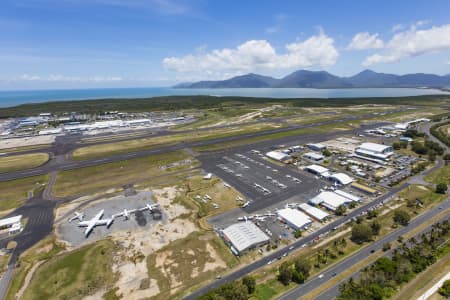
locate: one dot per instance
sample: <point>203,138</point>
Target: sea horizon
<point>9,98</point>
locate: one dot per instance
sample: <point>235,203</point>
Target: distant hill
<point>312,79</point>
<point>244,81</point>
<point>322,79</point>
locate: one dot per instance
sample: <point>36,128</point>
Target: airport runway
<point>62,147</point>
<point>340,267</point>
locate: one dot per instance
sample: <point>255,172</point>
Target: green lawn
<point>108,149</point>
<point>116,174</point>
<point>438,176</point>
<point>14,192</point>
<point>22,162</point>
<point>75,274</point>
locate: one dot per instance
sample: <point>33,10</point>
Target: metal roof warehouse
<point>294,218</point>
<point>314,212</point>
<point>243,236</point>
<point>329,200</point>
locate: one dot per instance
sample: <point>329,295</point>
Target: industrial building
<point>244,236</point>
<point>316,147</point>
<point>329,200</point>
<point>279,156</point>
<point>348,196</point>
<point>340,178</point>
<point>313,156</point>
<point>314,212</point>
<point>14,224</point>
<point>376,151</point>
<point>317,170</point>
<point>294,218</point>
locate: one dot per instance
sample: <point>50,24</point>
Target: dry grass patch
<point>22,162</point>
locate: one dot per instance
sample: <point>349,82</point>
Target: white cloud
<point>63,78</point>
<point>316,51</point>
<point>412,43</point>
<point>397,27</point>
<point>363,41</point>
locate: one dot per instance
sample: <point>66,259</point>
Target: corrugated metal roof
<point>244,235</point>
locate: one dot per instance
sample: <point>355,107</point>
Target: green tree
<point>302,266</point>
<point>326,153</point>
<point>401,217</point>
<point>396,146</point>
<point>386,246</point>
<point>372,214</point>
<point>340,210</point>
<point>361,233</point>
<point>285,273</point>
<point>375,226</point>
<point>298,277</point>
<point>441,188</point>
<point>297,233</point>
<point>250,283</point>
<point>444,290</point>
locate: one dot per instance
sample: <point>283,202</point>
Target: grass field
<point>42,251</point>
<point>75,274</point>
<point>22,162</point>
<point>224,197</point>
<point>438,176</point>
<point>109,149</point>
<point>14,192</point>
<point>274,136</point>
<point>106,176</point>
<point>188,262</point>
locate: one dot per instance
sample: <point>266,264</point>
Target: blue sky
<point>117,43</point>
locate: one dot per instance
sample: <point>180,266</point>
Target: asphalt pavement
<point>64,145</point>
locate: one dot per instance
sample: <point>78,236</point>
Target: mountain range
<point>323,79</point>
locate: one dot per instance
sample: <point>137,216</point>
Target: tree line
<point>382,278</point>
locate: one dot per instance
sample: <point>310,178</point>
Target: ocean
<point>13,98</point>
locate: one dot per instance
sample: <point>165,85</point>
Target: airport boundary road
<point>362,254</point>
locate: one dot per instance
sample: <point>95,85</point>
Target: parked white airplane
<point>78,216</point>
<point>95,221</point>
<point>226,185</point>
<point>150,207</point>
<point>246,204</point>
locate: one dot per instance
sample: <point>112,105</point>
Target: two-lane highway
<point>342,266</point>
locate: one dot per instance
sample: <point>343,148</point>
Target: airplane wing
<point>89,228</point>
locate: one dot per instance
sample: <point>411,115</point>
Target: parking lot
<point>262,182</point>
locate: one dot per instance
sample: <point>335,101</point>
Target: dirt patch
<point>217,260</point>
<point>129,283</point>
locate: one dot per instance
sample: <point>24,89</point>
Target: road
<point>425,127</point>
<point>298,244</point>
<point>362,254</point>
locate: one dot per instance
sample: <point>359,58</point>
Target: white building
<point>313,156</point>
<point>50,131</point>
<point>14,224</point>
<point>316,147</point>
<point>244,236</point>
<point>314,212</point>
<point>372,150</point>
<point>294,218</point>
<point>278,156</point>
<point>317,170</point>
<point>341,178</point>
<point>329,200</point>
<point>138,122</point>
